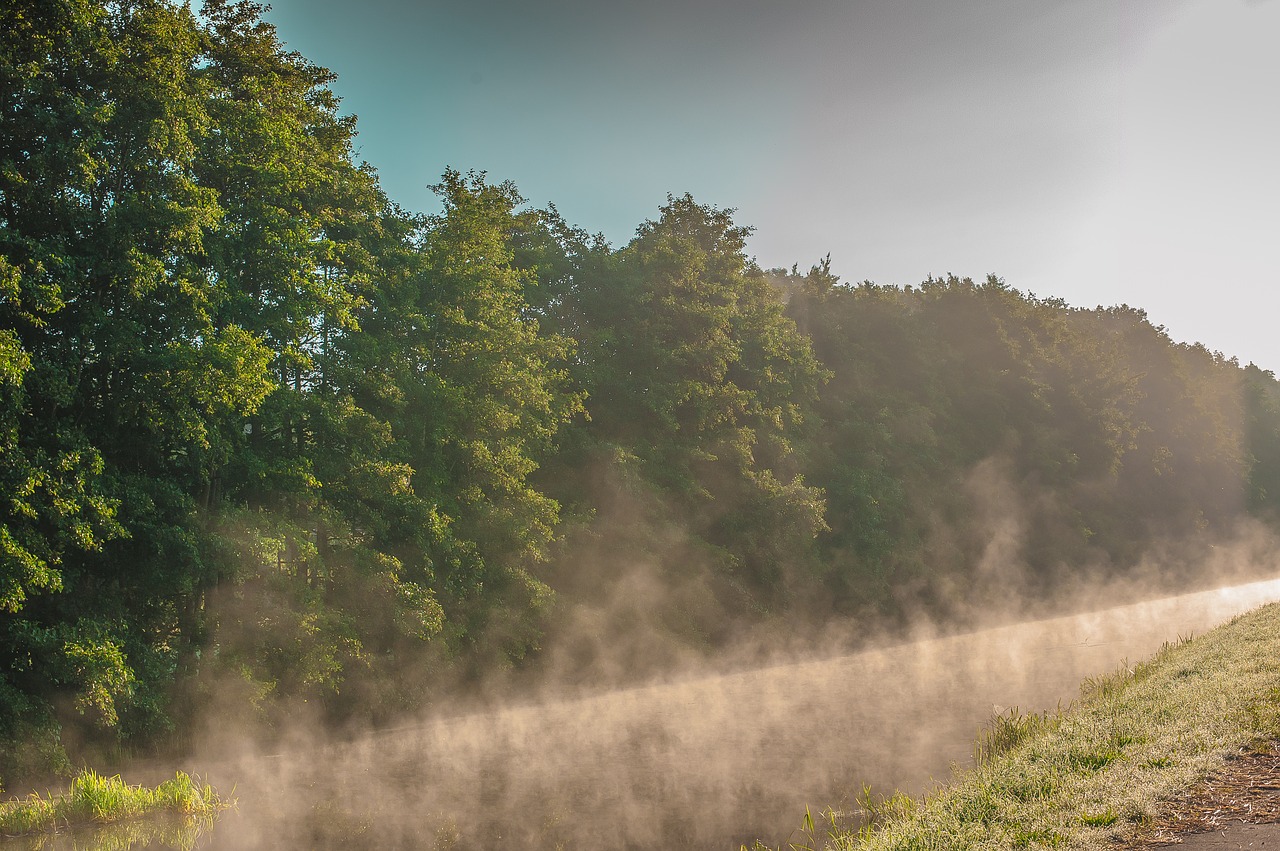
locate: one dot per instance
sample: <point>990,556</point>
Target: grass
<point>94,799</point>
<point>1095,772</point>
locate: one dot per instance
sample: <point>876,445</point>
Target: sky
<point>1096,151</point>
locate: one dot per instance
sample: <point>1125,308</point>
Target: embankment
<point>1103,770</point>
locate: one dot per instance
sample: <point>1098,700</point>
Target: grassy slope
<point>1096,771</point>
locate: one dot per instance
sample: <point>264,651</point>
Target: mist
<point>700,760</point>
<point>469,528</point>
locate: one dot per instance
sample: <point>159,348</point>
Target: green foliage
<point>693,371</point>
<point>1262,429</point>
<point>1104,818</point>
<point>33,746</point>
<point>494,385</point>
<point>262,430</point>
<point>960,408</point>
<point>93,798</point>
<point>1009,729</point>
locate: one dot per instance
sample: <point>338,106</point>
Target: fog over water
<point>707,762</point>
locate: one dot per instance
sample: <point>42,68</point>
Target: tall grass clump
<point>1095,772</point>
<point>1009,729</point>
<point>94,799</point>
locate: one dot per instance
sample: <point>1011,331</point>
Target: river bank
<point>1119,768</point>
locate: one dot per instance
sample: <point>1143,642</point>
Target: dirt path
<point>1235,807</point>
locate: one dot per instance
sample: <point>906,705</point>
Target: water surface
<point>710,762</point>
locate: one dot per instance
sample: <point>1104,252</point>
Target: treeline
<point>266,437</point>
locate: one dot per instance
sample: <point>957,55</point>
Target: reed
<point>95,799</point>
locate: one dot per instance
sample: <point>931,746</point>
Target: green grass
<point>1095,772</point>
<point>94,799</point>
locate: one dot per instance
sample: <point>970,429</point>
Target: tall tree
<point>108,307</point>
<point>475,393</point>
<point>694,369</point>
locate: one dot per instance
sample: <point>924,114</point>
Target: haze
<point>468,524</point>
<point>704,762</point>
<point>1101,153</point>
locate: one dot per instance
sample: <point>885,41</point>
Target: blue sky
<point>1094,151</point>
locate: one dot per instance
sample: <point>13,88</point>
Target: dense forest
<point>266,437</point>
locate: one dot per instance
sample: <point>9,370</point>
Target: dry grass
<point>1244,790</point>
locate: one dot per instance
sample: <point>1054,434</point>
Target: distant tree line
<point>266,437</point>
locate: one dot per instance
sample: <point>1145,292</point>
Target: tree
<point>475,393</point>
<point>117,369</point>
<point>692,367</point>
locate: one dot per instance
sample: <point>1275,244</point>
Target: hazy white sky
<point>1102,152</point>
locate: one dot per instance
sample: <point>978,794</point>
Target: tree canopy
<point>265,437</point>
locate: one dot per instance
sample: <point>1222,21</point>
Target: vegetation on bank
<point>1097,771</point>
<point>94,799</point>
<point>268,439</point>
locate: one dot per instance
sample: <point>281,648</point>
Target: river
<point>707,762</point>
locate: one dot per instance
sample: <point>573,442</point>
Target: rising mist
<point>473,514</point>
<point>701,761</point>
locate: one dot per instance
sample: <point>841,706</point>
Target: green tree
<point>693,369</point>
<point>475,392</point>
<point>107,314</point>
